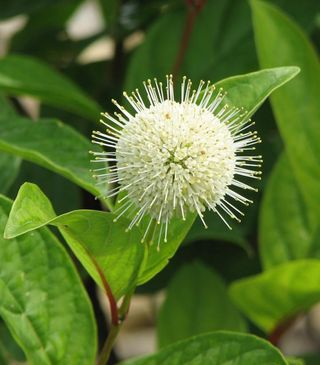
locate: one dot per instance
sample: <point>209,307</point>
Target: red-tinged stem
<point>194,8</point>
<point>111,298</point>
<point>115,329</point>
<point>280,330</point>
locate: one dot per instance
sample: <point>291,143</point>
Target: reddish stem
<point>280,330</point>
<point>194,8</point>
<point>111,298</point>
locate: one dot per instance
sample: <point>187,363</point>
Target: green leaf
<point>251,90</point>
<point>278,294</point>
<point>158,258</point>
<point>92,235</point>
<point>295,361</point>
<point>21,75</point>
<point>9,167</point>
<point>311,359</point>
<point>196,302</point>
<point>216,349</point>
<point>42,299</point>
<point>296,106</point>
<point>53,145</point>
<point>9,349</point>
<point>287,230</point>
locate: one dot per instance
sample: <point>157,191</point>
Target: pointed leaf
<point>24,75</point>
<point>92,235</point>
<point>196,302</point>
<point>278,294</point>
<point>42,299</point>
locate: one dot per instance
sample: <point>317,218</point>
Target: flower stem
<point>194,8</point>
<point>115,329</point>
<point>108,345</point>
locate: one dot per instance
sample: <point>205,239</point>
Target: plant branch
<point>280,330</point>
<point>114,329</point>
<point>108,291</point>
<point>194,8</point>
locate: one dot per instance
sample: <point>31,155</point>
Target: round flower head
<point>173,157</point>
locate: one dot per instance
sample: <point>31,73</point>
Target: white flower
<point>174,157</point>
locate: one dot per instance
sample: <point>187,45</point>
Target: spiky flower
<point>174,157</point>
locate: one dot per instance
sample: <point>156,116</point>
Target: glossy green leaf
<point>196,302</point>
<point>20,75</point>
<point>42,299</point>
<point>296,106</point>
<point>97,241</point>
<point>251,90</point>
<point>287,229</point>
<point>278,294</point>
<point>216,349</point>
<point>53,145</point>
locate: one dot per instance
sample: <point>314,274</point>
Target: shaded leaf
<point>287,229</point>
<point>196,302</point>
<point>20,75</point>
<point>9,167</point>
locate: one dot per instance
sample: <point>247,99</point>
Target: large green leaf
<point>42,299</point>
<point>20,75</point>
<point>279,293</point>
<point>196,302</point>
<point>287,230</point>
<point>97,241</point>
<point>216,349</point>
<point>296,106</point>
<point>52,145</point>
